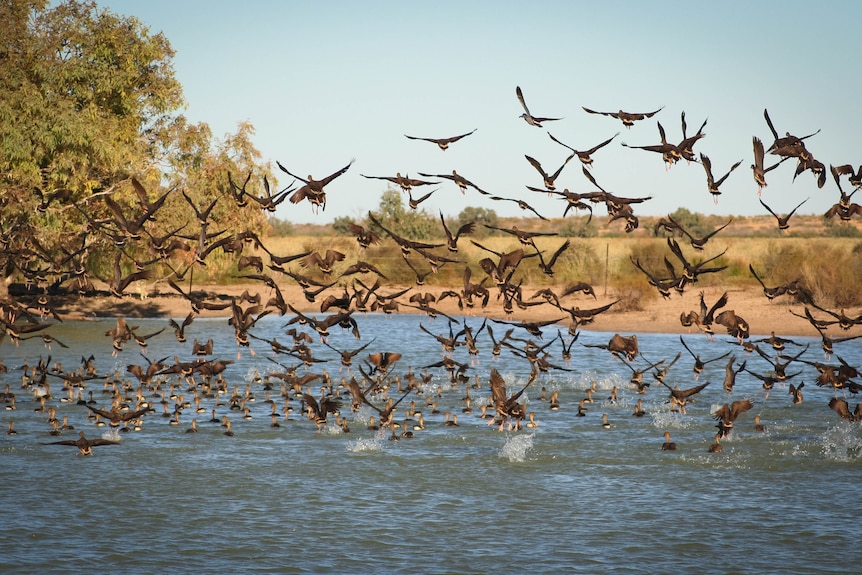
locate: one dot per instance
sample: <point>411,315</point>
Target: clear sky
<point>325,82</point>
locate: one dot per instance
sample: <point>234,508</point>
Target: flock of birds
<point>347,289</point>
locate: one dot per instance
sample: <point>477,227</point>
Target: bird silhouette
<point>783,221</point>
<point>627,118</point>
<point>443,143</point>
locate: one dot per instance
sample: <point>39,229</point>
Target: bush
<point>279,227</point>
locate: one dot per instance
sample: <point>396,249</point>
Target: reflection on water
<point>566,494</point>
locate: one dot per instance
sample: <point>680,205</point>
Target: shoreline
<point>656,315</point>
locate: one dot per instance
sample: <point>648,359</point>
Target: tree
<point>480,216</point>
<point>691,221</point>
<point>88,104</point>
<point>341,225</point>
<point>85,94</point>
<point>412,224</point>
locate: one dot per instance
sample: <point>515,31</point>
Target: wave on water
<point>516,447</point>
<point>842,442</point>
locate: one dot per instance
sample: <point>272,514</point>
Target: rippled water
<point>568,495</point>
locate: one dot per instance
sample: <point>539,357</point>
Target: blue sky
<point>326,82</point>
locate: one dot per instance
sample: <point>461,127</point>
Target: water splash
<point>112,435</point>
<point>516,447</point>
<point>842,442</point>
<point>252,375</point>
<point>671,420</point>
<point>364,445</point>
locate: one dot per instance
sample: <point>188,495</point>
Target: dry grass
<point>830,267</point>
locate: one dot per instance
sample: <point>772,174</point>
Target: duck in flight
<point>627,118</point>
<point>85,446</point>
<point>443,143</point>
<point>783,221</point>
<point>528,117</point>
<point>313,189</point>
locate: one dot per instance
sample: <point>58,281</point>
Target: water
<point>566,496</point>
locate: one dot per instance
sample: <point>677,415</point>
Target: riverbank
<point>656,315</point>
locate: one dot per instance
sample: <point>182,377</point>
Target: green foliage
<point>840,229</point>
<point>88,102</point>
<point>79,88</point>
<point>341,225</point>
<point>578,228</point>
<point>481,216</point>
<point>693,222</point>
<point>279,227</point>
<point>411,224</point>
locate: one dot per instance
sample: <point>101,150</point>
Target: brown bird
<point>528,117</point>
<point>506,264</point>
<point>783,220</point>
<point>364,237</point>
<point>361,267</point>
<point>847,170</point>
<point>406,183</point>
<point>443,143</point>
<point>796,392</point>
<point>730,374</point>
<point>699,242</point>
<point>700,364</point>
<point>383,362</point>
<point>769,292</point>
<point>789,145</point>
<point>270,201</point>
<point>680,396</point>
<point>627,118</point>
<point>524,236</point>
<point>670,153</point>
<point>118,282</point>
<point>324,264</point>
<point>179,328</point>
<point>319,411</point>
<point>668,445</point>
<point>585,316</point>
<point>619,345</point>
<point>585,156</point>
<point>85,446</point>
<point>462,182</point>
<point>548,267</point>
<point>842,408</point>
<point>716,447</point>
<point>414,202</point>
<point>727,414</point>
<point>582,287</point>
<point>115,417</point>
<point>506,406</point>
<point>662,284</point>
<point>534,328</point>
<point>757,168</point>
<point>691,271</point>
<point>205,348</point>
<point>420,276</point>
<point>686,146</point>
<point>452,239</point>
<point>548,179</point>
<point>403,243</point>
<point>736,326</point>
<point>313,189</point>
